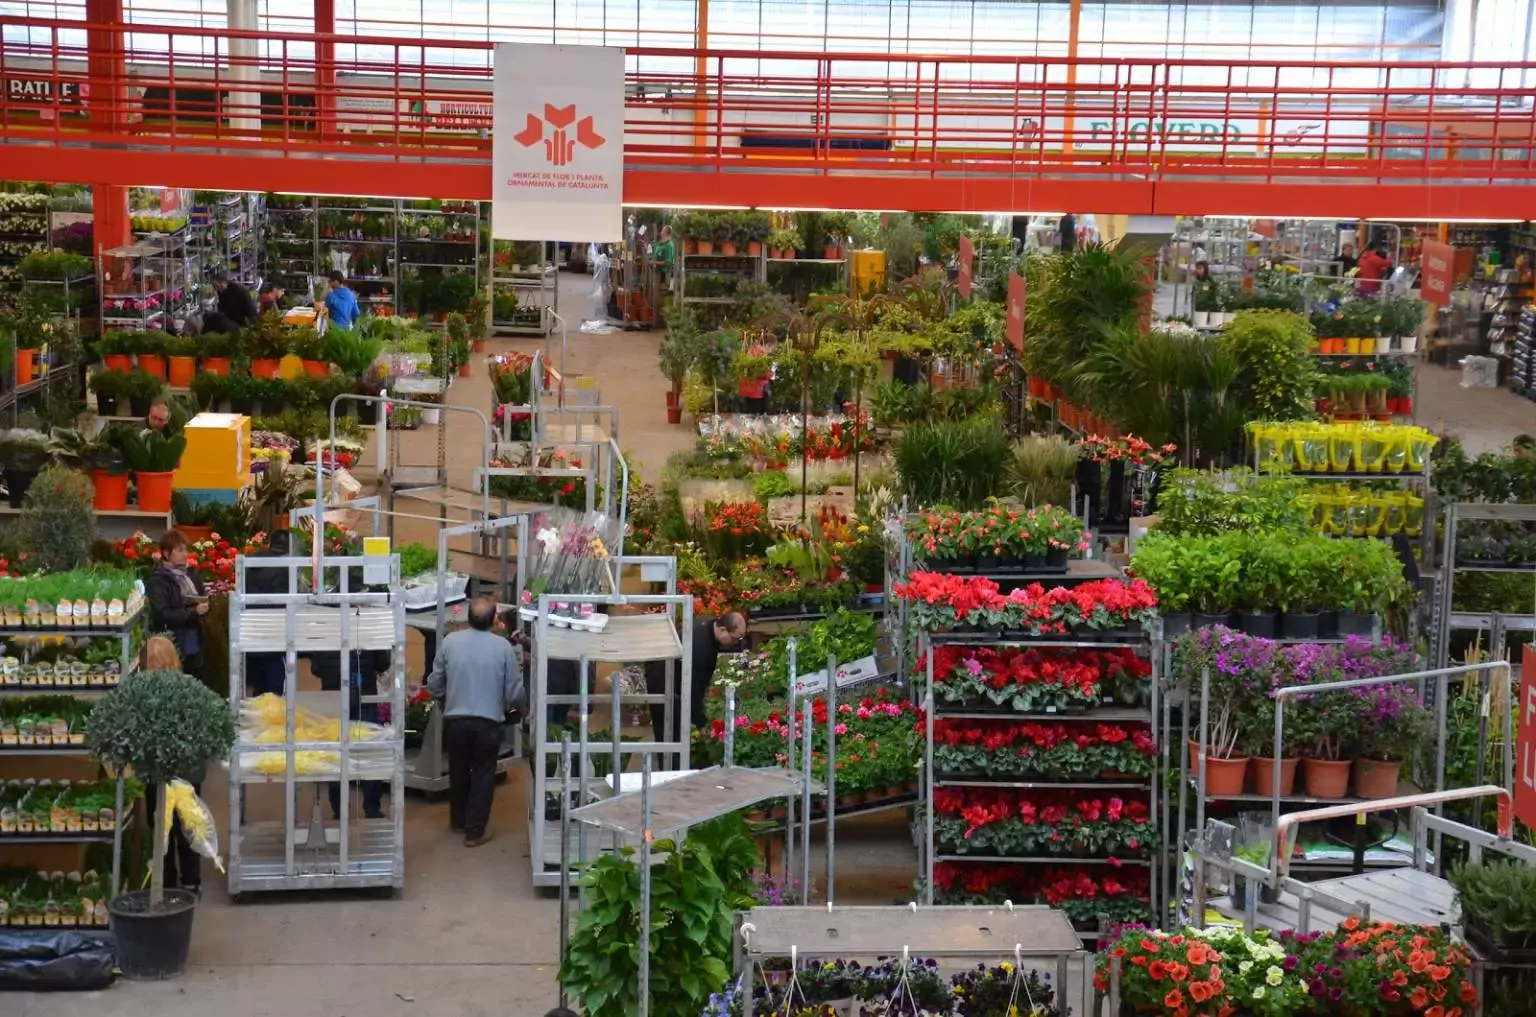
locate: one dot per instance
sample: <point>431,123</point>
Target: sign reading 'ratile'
<point>558,150</point>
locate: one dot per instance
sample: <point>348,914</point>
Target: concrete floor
<point>468,936</point>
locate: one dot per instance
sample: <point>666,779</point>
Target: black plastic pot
<point>138,405</point>
<point>1264,624</point>
<point>1352,624</point>
<point>987,563</point>
<point>1175,625</point>
<point>17,481</point>
<point>1204,621</point>
<point>152,945</point>
<point>1034,564</point>
<point>244,406</point>
<point>106,405</point>
<point>1299,625</point>
<point>1056,560</point>
<point>1117,502</point>
<point>1090,482</point>
<point>1327,624</point>
<point>368,413</point>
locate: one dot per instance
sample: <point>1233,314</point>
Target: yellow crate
<point>218,452</point>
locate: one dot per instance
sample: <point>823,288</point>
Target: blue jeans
<point>264,674</point>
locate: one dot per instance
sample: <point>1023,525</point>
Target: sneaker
<point>456,828</point>
<point>484,838</point>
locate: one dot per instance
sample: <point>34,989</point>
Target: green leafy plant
<point>1043,470</point>
<point>153,452</point>
<point>142,385</point>
<point>268,339</point>
<point>351,351</point>
<point>181,346</point>
<point>1501,896</point>
<point>216,344</point>
<point>109,383</point>
<point>162,725</point>
<point>957,463</point>
<point>57,525</point>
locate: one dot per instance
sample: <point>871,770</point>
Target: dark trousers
<point>373,790</point>
<point>264,673</point>
<point>473,745</point>
<point>183,865</point>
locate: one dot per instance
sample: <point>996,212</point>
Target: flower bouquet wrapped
<point>569,556</point>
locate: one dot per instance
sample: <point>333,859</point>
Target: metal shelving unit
<point>935,709</point>
<point>32,214</point>
<point>156,287</point>
<point>538,298</point>
<point>1446,619</point>
<point>746,267</point>
<point>124,634</point>
<point>303,852</point>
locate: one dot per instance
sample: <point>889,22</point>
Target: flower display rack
<point>1443,618</point>
<point>1023,936</point>
<point>299,851</point>
<point>1063,782</point>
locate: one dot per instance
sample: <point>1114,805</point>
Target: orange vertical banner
<point>1014,326</point>
<point>1525,740</point>
<point>967,266</point>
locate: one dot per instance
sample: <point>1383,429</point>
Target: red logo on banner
<point>558,147</point>
<point>1438,271</point>
<point>1525,740</point>
<point>967,263</point>
<point>1015,321</point>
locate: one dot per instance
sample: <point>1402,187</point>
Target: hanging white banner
<point>558,149</point>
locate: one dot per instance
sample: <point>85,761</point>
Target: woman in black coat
<point>178,601</point>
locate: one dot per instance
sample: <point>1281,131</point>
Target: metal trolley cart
<point>303,852</point>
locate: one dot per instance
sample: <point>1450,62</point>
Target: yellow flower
<point>1274,975</point>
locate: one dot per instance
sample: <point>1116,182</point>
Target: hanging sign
<point>1439,272</point>
<point>1014,325</point>
<point>967,265</point>
<point>1525,741</point>
<point>557,152</point>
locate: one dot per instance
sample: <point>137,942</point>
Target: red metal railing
<point>220,108</point>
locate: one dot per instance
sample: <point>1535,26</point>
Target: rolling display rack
<point>1444,618</point>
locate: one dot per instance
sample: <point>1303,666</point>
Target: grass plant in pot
<point>1498,906</point>
<point>161,725</point>
<point>153,458</point>
<point>1393,723</point>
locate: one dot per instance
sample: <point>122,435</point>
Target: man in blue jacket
<point>341,302</point>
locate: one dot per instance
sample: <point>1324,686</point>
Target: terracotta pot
<point>728,248</point>
<point>24,362</point>
<point>875,794</point>
<point>478,345</point>
<point>1326,778</point>
<point>705,246</point>
<point>690,247</point>
<point>754,248</point>
<point>671,397</point>
<point>154,363</point>
<point>465,368</point>
<point>894,791</point>
<point>674,414</point>
<point>216,365</point>
<point>194,533</point>
<point>111,491</point>
<point>181,371</point>
<point>119,362</point>
<point>1223,777</point>
<point>788,254</point>
<point>1264,775</point>
<point>263,367</point>
<point>317,368</point>
<point>832,253</point>
<point>154,491</point>
<point>1376,778</point>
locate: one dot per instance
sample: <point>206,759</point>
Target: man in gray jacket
<point>476,679</point>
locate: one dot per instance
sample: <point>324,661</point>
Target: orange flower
<point>1197,953</point>
<point>1418,963</point>
<point>1439,973</point>
<point>1200,991</point>
<point>1468,992</point>
<point>1399,977</point>
<point>1351,923</point>
<point>1227,1010</point>
<point>1435,1011</point>
<point>1177,971</point>
<point>1420,998</point>
<point>1175,998</point>
<point>1149,945</point>
<point>1177,941</point>
<point>1157,970</point>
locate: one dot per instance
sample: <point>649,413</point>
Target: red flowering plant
<point>1129,449</point>
<point>1000,748</point>
<point>1089,896</point>
<point>1006,822</point>
<point>941,602</point>
<point>712,598</point>
<point>211,559</point>
<point>760,586</point>
<point>1173,974</point>
<point>736,530</point>
<point>1022,679</point>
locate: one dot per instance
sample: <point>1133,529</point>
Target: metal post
<point>831,774</point>
<point>645,885</point>
<point>565,840</point>
<point>730,724</point>
<point>927,805</point>
<point>616,763</point>
<point>1442,691</point>
<point>789,762</point>
<point>1205,749</point>
<point>582,761</point>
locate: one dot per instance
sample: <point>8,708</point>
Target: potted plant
<point>240,390</point>
<point>109,471</point>
<point>1262,586</point>
<point>163,726</point>
<point>307,345</point>
<point>23,452</point>
<point>1326,724</point>
<point>140,388</point>
<point>1225,771</point>
<point>1157,562</point>
<point>1368,577</point>
<point>1393,723</point>
<point>1206,302</point>
<point>116,351</point>
<point>108,386</point>
<point>456,332</point>
<point>1299,592</point>
<point>153,458</point>
<point>1258,740</point>
<point>216,348</point>
<point>837,226</point>
<point>702,227</point>
<point>209,389</point>
<point>756,226</point>
<point>267,343</point>
<point>150,348</point>
<point>783,242</point>
<point>430,415</point>
<point>1212,575</point>
<point>1498,906</point>
<point>181,360</point>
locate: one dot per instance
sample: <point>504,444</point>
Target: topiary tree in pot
<point>162,725</point>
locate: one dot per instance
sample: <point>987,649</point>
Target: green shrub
<point>57,524</point>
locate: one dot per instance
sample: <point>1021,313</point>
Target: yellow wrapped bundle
<point>1395,512</point>
<point>306,763</point>
<point>182,802</point>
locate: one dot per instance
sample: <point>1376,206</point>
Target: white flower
<point>550,538</point>
<point>1274,975</point>
<point>1245,966</point>
<point>1258,993</point>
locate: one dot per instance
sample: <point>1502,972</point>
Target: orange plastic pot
<point>1264,775</point>
<point>705,247</point>
<point>465,369</point>
<point>181,371</point>
<point>154,491</point>
<point>25,359</point>
<point>728,248</point>
<point>317,368</point>
<point>263,367</point>
<point>1376,778</point>
<point>122,363</point>
<point>194,533</point>
<point>111,491</point>
<point>154,363</point>
<point>754,248</point>
<point>1326,778</point>
<point>216,365</point>
<point>1223,777</point>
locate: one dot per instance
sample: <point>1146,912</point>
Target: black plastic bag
<point>38,960</point>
